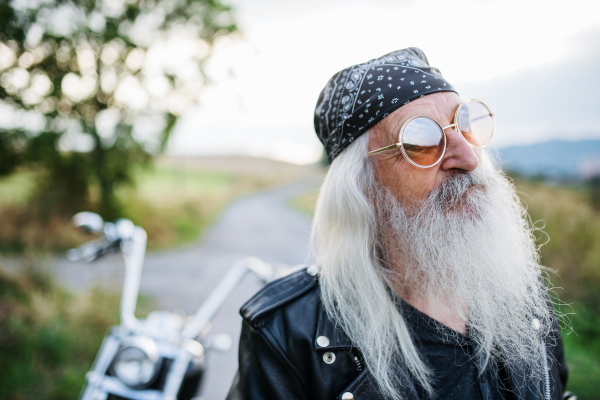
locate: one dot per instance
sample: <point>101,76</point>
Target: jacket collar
<point>338,340</point>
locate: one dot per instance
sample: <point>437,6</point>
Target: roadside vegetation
<point>568,214</point>
<point>174,200</point>
<point>48,336</point>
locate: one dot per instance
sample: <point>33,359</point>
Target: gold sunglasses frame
<point>443,129</point>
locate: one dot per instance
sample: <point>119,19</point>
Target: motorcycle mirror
<point>110,232</point>
<point>124,228</point>
<point>87,252</point>
<point>88,222</point>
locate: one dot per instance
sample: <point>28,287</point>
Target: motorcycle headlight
<point>137,362</point>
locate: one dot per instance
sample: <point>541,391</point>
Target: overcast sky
<point>535,63</point>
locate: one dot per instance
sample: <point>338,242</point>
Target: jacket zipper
<point>546,376</point>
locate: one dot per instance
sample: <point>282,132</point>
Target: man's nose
<point>459,153</point>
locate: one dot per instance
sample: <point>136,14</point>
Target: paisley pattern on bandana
<point>358,97</point>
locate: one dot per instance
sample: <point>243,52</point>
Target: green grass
<point>167,182</point>
<point>15,189</point>
<point>582,351</point>
<point>176,205</point>
<point>48,336</point>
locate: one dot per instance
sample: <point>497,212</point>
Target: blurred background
<point>193,118</point>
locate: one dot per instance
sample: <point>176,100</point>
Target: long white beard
<point>470,246</point>
<point>480,253</point>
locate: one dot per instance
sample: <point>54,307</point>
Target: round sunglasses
<point>422,139</point>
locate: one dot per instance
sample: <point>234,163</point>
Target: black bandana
<point>358,97</point>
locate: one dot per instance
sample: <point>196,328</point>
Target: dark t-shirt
<point>453,358</point>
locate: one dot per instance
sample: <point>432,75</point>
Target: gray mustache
<point>454,188</point>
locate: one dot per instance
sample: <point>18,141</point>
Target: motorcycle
<point>161,357</point>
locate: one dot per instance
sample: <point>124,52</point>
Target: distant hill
<point>559,159</point>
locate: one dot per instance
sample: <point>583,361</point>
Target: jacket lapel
<point>338,340</point>
<point>364,386</point>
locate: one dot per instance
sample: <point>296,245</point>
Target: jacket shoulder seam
<point>277,293</point>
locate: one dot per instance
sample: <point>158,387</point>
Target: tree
<point>95,87</point>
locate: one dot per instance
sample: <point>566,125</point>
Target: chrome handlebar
<point>121,235</point>
<point>225,287</point>
<point>91,251</point>
<point>124,236</point>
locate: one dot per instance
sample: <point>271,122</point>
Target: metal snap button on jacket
<point>329,357</point>
<point>323,341</point>
<point>347,396</point>
<point>312,270</point>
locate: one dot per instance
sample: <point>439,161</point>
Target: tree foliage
<point>91,88</point>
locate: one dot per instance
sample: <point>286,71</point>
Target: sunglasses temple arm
<point>450,126</point>
<point>482,117</point>
<point>393,146</point>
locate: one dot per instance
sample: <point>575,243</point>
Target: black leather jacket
<point>279,357</point>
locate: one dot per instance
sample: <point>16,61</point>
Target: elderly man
<point>427,282</point>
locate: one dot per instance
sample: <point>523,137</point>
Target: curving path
<point>260,224</point>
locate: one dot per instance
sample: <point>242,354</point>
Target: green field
<point>174,200</point>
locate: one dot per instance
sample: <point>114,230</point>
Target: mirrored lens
<point>423,141</point>
<point>476,123</point>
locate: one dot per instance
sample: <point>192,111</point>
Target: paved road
<point>261,225</point>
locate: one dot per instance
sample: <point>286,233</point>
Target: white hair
<point>353,284</point>
<point>486,267</point>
